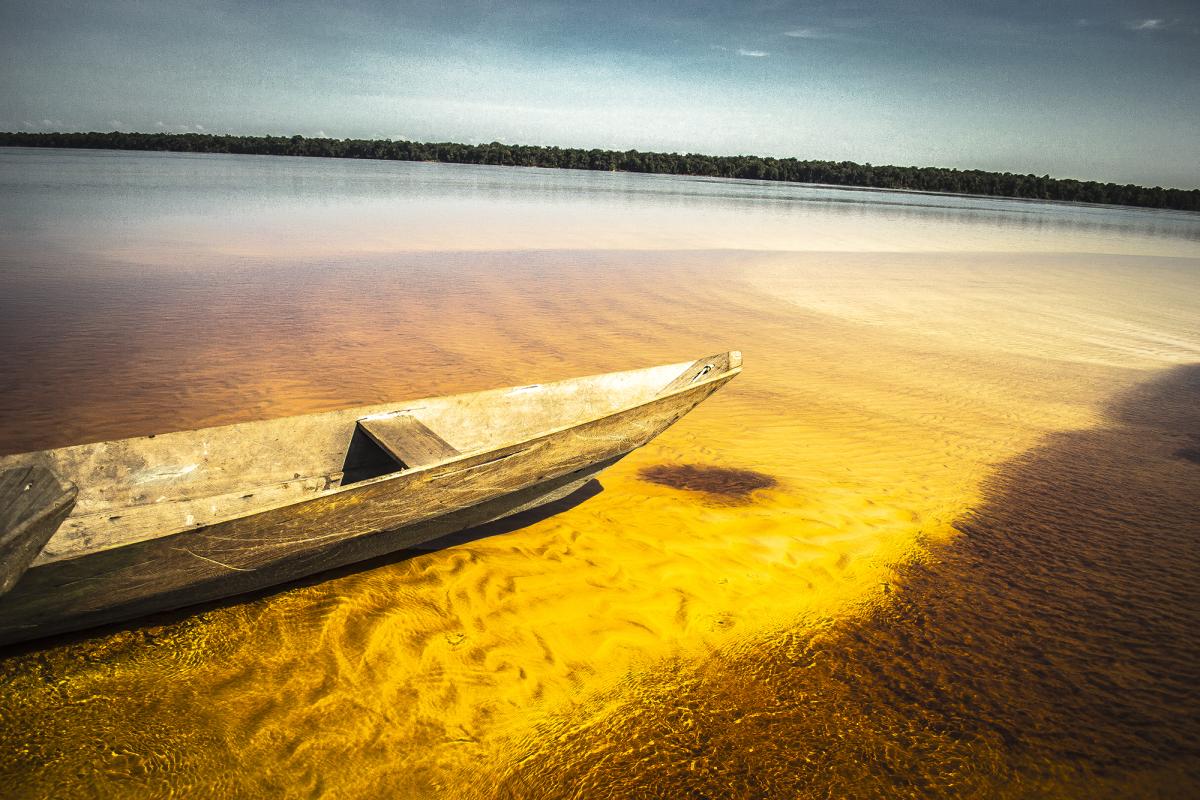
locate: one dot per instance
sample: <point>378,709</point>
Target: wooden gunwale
<point>730,373</point>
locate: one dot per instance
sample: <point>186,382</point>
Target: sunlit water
<point>940,538</point>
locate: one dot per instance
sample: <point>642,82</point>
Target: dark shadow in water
<point>720,484</point>
<point>501,526</point>
<point>1051,650</point>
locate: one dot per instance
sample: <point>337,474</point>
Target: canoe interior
<point>149,486</point>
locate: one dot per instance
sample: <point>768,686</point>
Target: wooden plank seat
<point>33,503</point>
<point>407,439</point>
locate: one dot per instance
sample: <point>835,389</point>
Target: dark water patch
<point>719,483</point>
<point>1052,650</point>
<point>1191,454</point>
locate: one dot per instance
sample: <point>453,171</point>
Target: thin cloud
<point>808,33</point>
<point>752,53</point>
<point>1146,25</point>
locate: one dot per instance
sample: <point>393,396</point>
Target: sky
<point>1093,90</point>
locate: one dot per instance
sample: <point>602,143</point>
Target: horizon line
<point>205,134</point>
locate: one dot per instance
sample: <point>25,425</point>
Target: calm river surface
<point>969,567</point>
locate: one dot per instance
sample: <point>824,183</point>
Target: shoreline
<point>931,180</point>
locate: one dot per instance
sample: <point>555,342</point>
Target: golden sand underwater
<point>939,539</point>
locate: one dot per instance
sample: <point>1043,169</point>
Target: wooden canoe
<point>107,532</point>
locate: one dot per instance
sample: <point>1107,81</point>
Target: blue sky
<point>1092,90</point>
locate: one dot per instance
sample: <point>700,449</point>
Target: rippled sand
<point>939,538</point>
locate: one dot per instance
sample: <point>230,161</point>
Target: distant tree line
<point>836,173</point>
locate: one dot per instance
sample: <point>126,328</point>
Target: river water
<point>940,538</point>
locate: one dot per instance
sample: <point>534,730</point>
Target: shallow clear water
<point>939,538</point>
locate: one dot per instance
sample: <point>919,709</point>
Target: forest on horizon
<point>834,173</point>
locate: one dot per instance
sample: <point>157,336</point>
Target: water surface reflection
<point>934,540</point>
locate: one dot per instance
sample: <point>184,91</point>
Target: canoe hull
<point>342,527</point>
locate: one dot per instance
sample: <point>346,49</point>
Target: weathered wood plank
<point>33,503</point>
<point>408,440</point>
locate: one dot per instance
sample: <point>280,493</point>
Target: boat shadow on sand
<point>1052,649</point>
<point>507,524</point>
